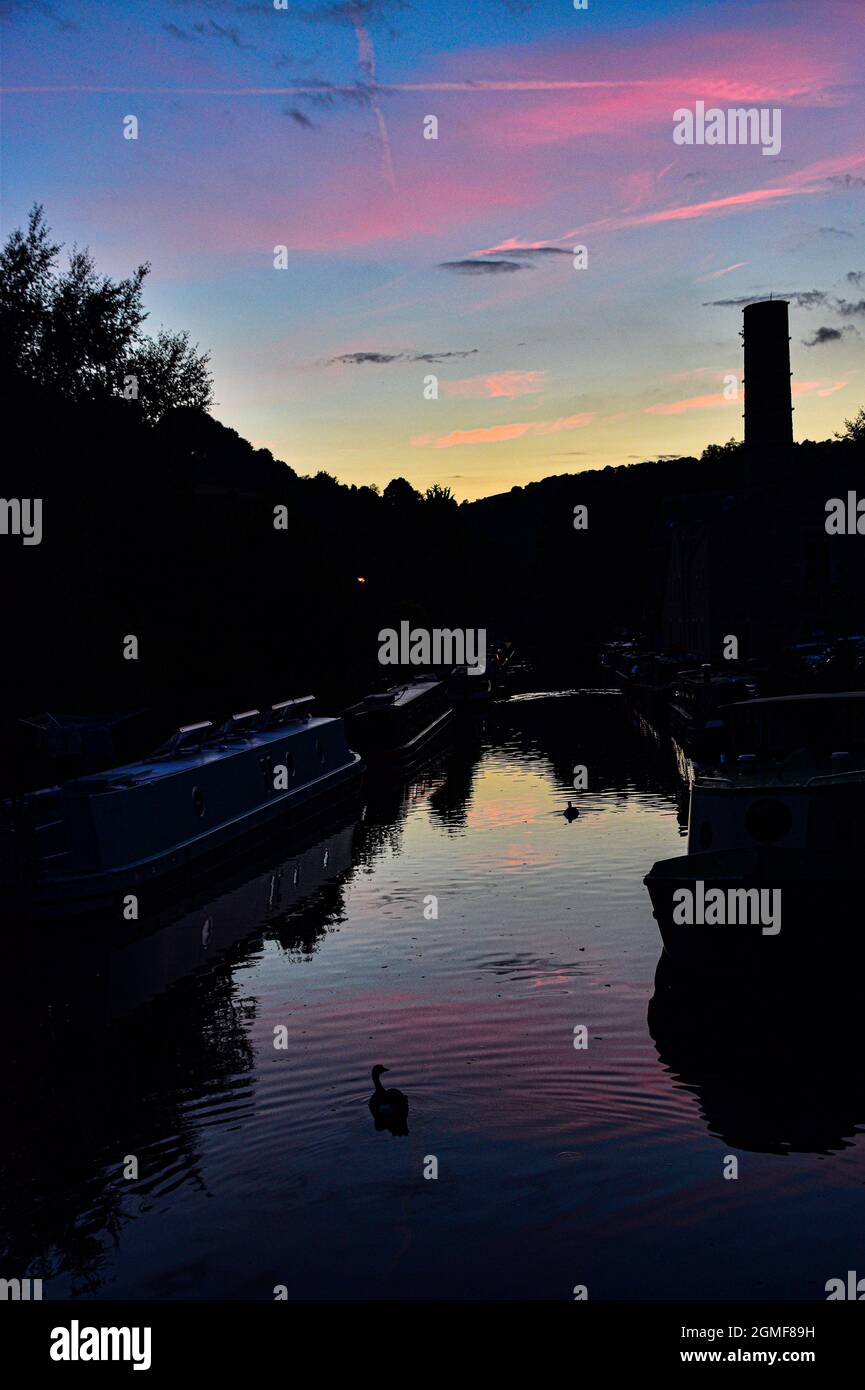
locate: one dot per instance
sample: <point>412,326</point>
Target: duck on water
<point>388,1106</point>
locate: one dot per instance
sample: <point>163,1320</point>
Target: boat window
<point>320,751</point>
<point>198,801</point>
<point>288,760</point>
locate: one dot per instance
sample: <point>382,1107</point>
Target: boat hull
<point>392,728</point>
<point>405,754</point>
<point>157,874</point>
<point>818,916</point>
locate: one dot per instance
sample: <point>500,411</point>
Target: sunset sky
<point>304,127</point>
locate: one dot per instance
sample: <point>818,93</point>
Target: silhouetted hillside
<point>244,583</point>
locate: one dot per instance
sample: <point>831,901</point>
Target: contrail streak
<point>506,85</point>
<point>366,62</point>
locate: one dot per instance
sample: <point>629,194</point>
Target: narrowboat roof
<point>218,749</point>
<point>398,696</point>
<point>696,676</point>
<point>810,698</point>
<point>803,768</point>
<point>48,719</point>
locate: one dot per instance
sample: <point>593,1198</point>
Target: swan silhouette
<point>570,812</point>
<point>388,1107</point>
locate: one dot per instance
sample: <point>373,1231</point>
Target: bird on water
<point>388,1106</point>
<point>570,812</point>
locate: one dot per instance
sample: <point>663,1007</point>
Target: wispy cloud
<point>299,117</point>
<point>442,356</point>
<point>691,403</point>
<point>846,181</point>
<point>807,182</point>
<point>830,390</point>
<point>725,270</point>
<point>800,388</point>
<point>546,251</point>
<point>508,384</point>
<point>207,29</point>
<point>366,63</point>
<point>482,267</point>
<point>384,359</point>
<point>822,388</point>
<point>500,434</point>
<point>823,335</point>
<point>803,299</point>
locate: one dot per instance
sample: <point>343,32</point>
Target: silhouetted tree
<point>400,493</point>
<point>718,453</point>
<point>26,268</point>
<point>440,497</point>
<point>79,333</point>
<point>854,429</point>
<point>91,323</point>
<point>169,372</point>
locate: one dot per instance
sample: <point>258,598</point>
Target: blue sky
<point>409,257</point>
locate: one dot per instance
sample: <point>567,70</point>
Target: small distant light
<point>360,579</point>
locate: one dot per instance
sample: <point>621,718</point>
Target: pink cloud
<point>790,66</point>
<point>809,180</point>
<point>509,384</point>
<point>570,422</point>
<point>823,388</point>
<point>830,390</point>
<point>493,434</point>
<point>691,403</point>
<point>800,388</point>
<point>497,434</point>
<point>686,211</point>
<point>725,270</point>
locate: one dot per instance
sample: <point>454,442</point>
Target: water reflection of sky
<point>556,1166</point>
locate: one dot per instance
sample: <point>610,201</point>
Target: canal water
<point>186,1107</point>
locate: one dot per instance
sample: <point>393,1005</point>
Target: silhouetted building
<point>756,563</point>
<point>753,560</point>
<point>768,403</point>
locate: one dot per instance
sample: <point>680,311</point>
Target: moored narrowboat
<point>468,688</point>
<point>85,844</point>
<point>393,726</point>
<point>783,813</point>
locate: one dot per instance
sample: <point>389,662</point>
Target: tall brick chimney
<point>768,402</point>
